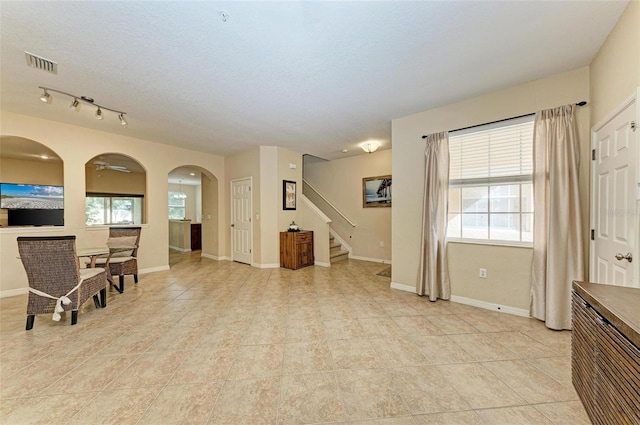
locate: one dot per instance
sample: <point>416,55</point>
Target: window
<point>113,209</point>
<point>177,205</point>
<point>491,182</point>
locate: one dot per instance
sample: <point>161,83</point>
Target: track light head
<point>123,121</point>
<point>75,104</point>
<point>46,97</point>
<point>99,114</point>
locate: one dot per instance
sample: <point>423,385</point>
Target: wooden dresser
<point>296,249</point>
<point>605,353</point>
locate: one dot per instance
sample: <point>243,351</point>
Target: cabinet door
<point>305,254</point>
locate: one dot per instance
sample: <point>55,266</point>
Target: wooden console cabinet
<point>605,353</point>
<point>296,249</point>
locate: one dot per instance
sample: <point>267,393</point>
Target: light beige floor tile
<point>369,394</point>
<point>425,390</point>
<point>247,401</point>
<point>530,383</point>
<point>305,330</point>
<point>454,418</point>
<point>310,398</point>
<point>150,369</point>
<point>343,329</point>
<point>452,324</point>
<point>416,326</point>
<point>441,350</point>
<point>354,354</point>
<point>568,412</point>
<point>205,365</point>
<point>482,347</point>
<point>395,352</point>
<point>119,406</point>
<point>380,327</point>
<point>405,420</point>
<point>521,415</point>
<point>306,357</point>
<point>478,386</point>
<point>521,345</point>
<point>559,368</point>
<point>183,404</point>
<point>264,332</point>
<point>43,410</point>
<point>256,361</point>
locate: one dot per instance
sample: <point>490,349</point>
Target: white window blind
<point>490,182</point>
<point>492,153</point>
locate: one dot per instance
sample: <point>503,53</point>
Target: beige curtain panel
<point>557,241</point>
<point>433,279</point>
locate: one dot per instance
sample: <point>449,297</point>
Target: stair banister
<point>329,203</point>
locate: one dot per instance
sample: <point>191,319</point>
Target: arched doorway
<point>193,211</point>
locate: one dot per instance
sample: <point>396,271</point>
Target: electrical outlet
<point>483,273</point>
<point>381,244</point>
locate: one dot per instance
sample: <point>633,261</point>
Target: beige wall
<point>340,181</point>
<point>31,172</point>
<point>108,181</point>
<point>211,228</point>
<point>615,71</point>
<point>76,146</point>
<point>408,180</point>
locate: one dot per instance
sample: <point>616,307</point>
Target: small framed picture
<point>288,195</point>
<point>376,192</point>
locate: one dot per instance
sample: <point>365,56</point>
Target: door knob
<point>233,225</point>
<point>627,257</point>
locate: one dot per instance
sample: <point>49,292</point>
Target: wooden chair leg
<point>30,319</point>
<point>121,283</point>
<point>74,317</point>
<point>96,301</point>
<point>103,297</point>
<point>135,278</point>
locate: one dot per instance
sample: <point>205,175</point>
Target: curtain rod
<point>497,121</point>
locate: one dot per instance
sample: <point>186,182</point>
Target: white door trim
<point>250,178</point>
<point>633,98</point>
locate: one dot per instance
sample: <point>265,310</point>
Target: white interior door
<point>614,199</point>
<point>241,238</point>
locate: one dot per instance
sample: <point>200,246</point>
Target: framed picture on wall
<point>376,191</point>
<point>288,195</point>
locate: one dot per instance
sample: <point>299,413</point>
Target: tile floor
<point>223,343</point>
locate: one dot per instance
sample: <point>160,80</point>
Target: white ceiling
<point>314,77</point>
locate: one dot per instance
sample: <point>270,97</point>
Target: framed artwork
<point>376,192</point>
<point>288,195</point>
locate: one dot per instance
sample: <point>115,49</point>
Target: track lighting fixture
<point>75,104</point>
<point>46,97</point>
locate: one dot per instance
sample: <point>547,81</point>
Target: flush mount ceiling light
<point>370,147</point>
<point>75,104</point>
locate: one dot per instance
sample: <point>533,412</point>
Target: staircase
<point>336,252</point>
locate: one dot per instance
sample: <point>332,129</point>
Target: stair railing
<point>329,203</point>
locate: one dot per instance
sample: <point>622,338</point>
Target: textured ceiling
<point>315,77</point>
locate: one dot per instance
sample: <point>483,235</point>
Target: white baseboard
<point>372,260</point>
<point>403,287</point>
<point>14,292</point>
<point>175,248</point>
<point>215,257</point>
<point>267,266</point>
<point>321,264</point>
<point>490,306</point>
<point>153,269</point>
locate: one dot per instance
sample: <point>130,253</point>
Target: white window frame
<point>488,182</point>
<point>183,206</point>
<point>107,200</point>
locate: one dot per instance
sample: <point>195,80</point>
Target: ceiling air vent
<point>41,63</point>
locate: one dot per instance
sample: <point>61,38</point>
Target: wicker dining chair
<point>123,245</point>
<point>56,281</point>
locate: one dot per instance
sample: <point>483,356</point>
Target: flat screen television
<point>31,197</point>
<point>32,204</point>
